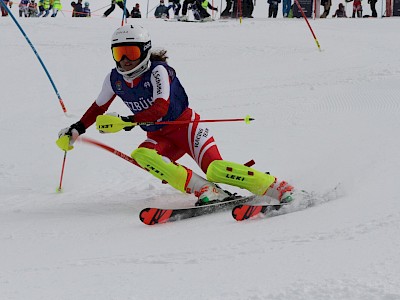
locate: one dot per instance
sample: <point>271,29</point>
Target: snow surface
<point>321,118</point>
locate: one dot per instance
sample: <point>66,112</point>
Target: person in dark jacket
<point>226,13</point>
<point>86,10</point>
<point>120,3</point>
<point>327,7</point>
<point>340,12</point>
<point>176,6</point>
<point>135,13</point>
<point>273,8</point>
<point>372,4</point>
<point>162,11</point>
<point>78,9</point>
<point>248,8</point>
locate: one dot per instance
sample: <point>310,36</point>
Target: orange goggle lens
<point>131,52</point>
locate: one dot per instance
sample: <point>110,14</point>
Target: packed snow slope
<point>322,118</point>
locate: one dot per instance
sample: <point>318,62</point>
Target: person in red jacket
<point>357,9</point>
<point>150,88</point>
<point>4,12</point>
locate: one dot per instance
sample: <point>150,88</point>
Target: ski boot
<point>211,193</point>
<point>281,191</point>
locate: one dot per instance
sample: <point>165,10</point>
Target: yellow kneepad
<point>149,159</point>
<point>239,175</point>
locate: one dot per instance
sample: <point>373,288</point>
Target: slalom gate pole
<point>37,55</point>
<point>59,189</point>
<point>90,141</point>
<point>123,14</point>
<point>102,8</point>
<point>309,26</point>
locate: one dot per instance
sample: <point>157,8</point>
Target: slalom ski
<point>245,211</point>
<point>152,216</point>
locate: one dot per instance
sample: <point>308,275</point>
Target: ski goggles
<point>131,52</point>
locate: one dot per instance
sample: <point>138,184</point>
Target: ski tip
<point>152,216</point>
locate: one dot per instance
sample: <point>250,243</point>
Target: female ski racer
<point>151,90</point>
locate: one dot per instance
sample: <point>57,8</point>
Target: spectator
<point>327,7</point>
<point>199,10</point>
<point>120,3</point>
<point>162,11</point>
<point>176,6</point>
<point>340,12</point>
<point>227,11</point>
<point>248,8</point>
<point>23,8</point>
<point>32,9</point>
<point>205,4</point>
<point>290,15</point>
<point>86,10</point>
<point>73,4</point>
<point>41,8</point>
<point>56,7</point>
<point>286,5</point>
<point>78,9</point>
<point>357,9</point>
<point>135,13</point>
<point>46,7</point>
<point>4,12</point>
<point>372,4</point>
<point>273,8</point>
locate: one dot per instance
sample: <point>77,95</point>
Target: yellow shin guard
<point>150,160</point>
<point>239,175</point>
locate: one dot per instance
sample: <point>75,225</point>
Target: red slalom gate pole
<point>109,149</point>
<point>309,26</point>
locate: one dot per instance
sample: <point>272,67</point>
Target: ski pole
<point>112,124</point>
<point>59,189</point>
<point>309,26</point>
<point>37,55</point>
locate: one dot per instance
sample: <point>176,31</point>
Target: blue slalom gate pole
<point>123,13</point>
<point>37,55</point>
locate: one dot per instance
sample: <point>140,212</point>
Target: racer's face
<point>127,64</point>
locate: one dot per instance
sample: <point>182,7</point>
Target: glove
<point>125,119</point>
<point>128,119</point>
<point>113,122</point>
<point>68,136</point>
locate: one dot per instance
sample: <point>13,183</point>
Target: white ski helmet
<point>133,35</point>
